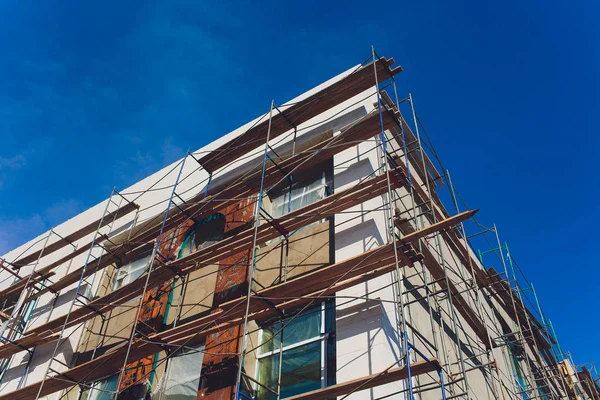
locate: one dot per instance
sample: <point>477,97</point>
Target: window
<point>202,234</point>
<point>302,194</point>
<point>130,272</point>
<point>183,375</point>
<point>301,354</point>
<point>101,390</point>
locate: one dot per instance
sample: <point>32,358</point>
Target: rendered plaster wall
<point>367,340</point>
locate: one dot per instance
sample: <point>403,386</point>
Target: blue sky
<point>103,94</point>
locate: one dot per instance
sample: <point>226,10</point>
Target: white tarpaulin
<point>183,376</point>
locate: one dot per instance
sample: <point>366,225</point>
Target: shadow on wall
<point>360,238</point>
<point>366,316</point>
<point>39,363</point>
<point>368,313</point>
<point>346,175</point>
<point>61,300</point>
<point>304,140</point>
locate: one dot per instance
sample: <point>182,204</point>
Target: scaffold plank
<point>369,381</point>
<point>321,282</point>
<point>201,206</point>
<point>73,237</point>
<point>349,86</point>
<point>438,226</point>
<point>46,271</point>
<point>211,255</point>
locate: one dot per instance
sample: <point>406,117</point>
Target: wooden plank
<point>369,381</point>
<point>340,201</point>
<point>93,267</point>
<point>439,275</point>
<point>346,88</point>
<point>361,130</point>
<point>73,237</point>
<point>201,206</point>
<point>45,272</point>
<point>352,271</point>
<point>438,226</point>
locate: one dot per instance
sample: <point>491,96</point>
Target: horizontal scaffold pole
<point>303,289</point>
<point>204,204</point>
<point>211,255</point>
<point>355,83</point>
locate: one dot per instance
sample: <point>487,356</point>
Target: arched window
<point>202,234</point>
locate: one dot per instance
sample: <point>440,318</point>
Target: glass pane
<point>268,342</point>
<point>103,390</point>
<point>130,272</point>
<point>268,370</point>
<point>301,370</point>
<point>118,284</point>
<point>301,195</point>
<point>136,274</point>
<point>184,375</point>
<point>305,326</point>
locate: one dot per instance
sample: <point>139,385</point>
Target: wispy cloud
<point>62,210</point>
<point>12,163</point>
<point>16,231</point>
<point>170,152</point>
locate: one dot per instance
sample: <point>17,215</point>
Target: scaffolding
<point>482,337</point>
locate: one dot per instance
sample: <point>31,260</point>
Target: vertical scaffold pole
<point>78,287</point>
<point>391,236</point>
<point>531,380</point>
<point>536,350</point>
<point>24,293</point>
<point>420,225</point>
<point>259,200</point>
<point>450,303</point>
<point>490,354</point>
<point>103,324</point>
<point>149,268</point>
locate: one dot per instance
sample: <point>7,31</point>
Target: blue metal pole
<point>442,386</point>
<point>150,264</point>
<point>254,254</point>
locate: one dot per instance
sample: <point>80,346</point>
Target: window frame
<point>167,378</point>
<point>95,392</point>
<point>129,270</point>
<point>287,196</point>
<point>322,337</point>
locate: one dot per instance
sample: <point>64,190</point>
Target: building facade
<point>306,255</point>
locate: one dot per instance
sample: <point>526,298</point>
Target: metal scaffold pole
<point>149,268</point>
<point>478,290</point>
<point>78,288</point>
<point>393,238</point>
<point>531,379</point>
<point>420,224</point>
<point>449,302</point>
<point>254,249</point>
<point>24,294</point>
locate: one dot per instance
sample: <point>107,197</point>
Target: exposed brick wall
<point>220,364</point>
